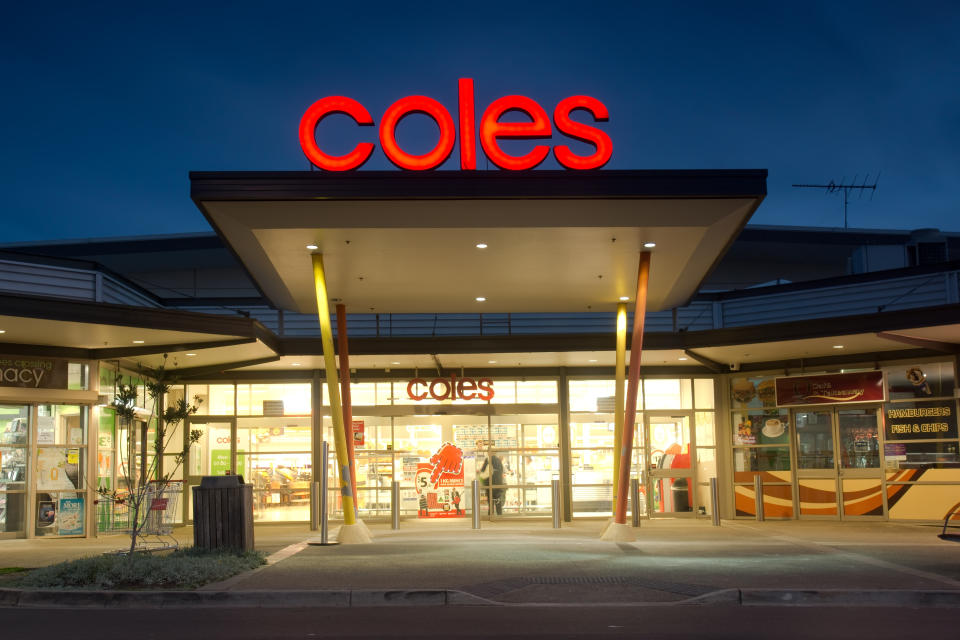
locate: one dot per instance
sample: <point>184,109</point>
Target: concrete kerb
<point>62,599</point>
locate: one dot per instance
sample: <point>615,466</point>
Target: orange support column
<point>619,529</point>
<point>344,356</point>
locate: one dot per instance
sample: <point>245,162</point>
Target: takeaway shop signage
<point>491,130</point>
<point>920,420</point>
<point>833,388</point>
<point>451,388</point>
<point>33,373</point>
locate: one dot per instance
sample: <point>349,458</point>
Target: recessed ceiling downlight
<point>312,247</point>
<point>649,245</point>
<point>480,299</point>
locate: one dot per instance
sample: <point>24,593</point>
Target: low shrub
<point>186,568</point>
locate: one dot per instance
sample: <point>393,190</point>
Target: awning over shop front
<point>407,243</point>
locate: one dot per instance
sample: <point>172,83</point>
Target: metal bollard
<point>635,500</point>
<point>555,499</point>
<point>314,506</point>
<point>475,495</point>
<point>714,502</point>
<point>324,481</point>
<point>758,493</point>
<point>395,505</point>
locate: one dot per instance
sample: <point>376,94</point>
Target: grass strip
<point>186,568</point>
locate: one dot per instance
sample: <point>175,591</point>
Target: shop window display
<point>60,504</point>
<point>14,440</point>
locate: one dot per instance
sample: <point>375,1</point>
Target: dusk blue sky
<point>107,106</point>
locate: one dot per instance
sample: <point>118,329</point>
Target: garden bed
<point>187,568</point>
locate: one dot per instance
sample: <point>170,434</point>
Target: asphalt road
<point>502,623</point>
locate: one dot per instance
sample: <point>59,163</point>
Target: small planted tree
<point>149,482</point>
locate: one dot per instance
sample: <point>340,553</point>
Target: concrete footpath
<point>525,562</point>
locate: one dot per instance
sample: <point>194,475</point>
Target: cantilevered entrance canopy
<point>556,241</point>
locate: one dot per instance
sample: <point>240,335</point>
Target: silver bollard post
<point>314,506</point>
<point>635,500</point>
<point>395,505</point>
<point>475,499</point>
<point>321,495</point>
<point>714,502</point>
<point>555,500</point>
<point>758,493</point>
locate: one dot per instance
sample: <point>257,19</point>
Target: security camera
<point>734,366</point>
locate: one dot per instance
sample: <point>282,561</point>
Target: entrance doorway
<point>838,463</point>
<point>211,455</point>
<point>668,454</point>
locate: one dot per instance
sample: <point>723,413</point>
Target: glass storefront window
<point>215,399</point>
<point>597,433</point>
<point>705,428</point>
<point>78,376</point>
<point>291,399</point>
<point>815,440</point>
<point>14,467</point>
<point>762,459</point>
<point>706,463</point>
<point>703,396</point>
<point>667,394</point>
<point>537,392</point>
<point>761,427</point>
<point>859,447</point>
<point>921,455</point>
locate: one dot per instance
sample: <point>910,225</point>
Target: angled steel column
<point>345,397</point>
<point>618,393</point>
<point>633,382</point>
<point>336,411</point>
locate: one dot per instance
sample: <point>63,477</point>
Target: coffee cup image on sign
<point>774,427</point>
<point>744,391</point>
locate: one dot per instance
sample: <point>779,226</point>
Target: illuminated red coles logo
<point>450,388</point>
<point>491,130</point>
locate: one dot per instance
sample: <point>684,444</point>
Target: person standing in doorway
<point>492,469</point>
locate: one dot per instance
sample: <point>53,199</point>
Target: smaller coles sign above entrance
<point>452,388</point>
<point>535,125</point>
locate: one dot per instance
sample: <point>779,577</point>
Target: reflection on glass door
<point>858,453</point>
<point>670,464</point>
<point>210,455</point>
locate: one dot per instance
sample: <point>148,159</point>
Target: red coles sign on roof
<point>491,130</point>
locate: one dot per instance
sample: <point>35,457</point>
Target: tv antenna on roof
<point>833,187</point>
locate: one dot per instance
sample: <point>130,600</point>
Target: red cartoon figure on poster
<point>448,460</point>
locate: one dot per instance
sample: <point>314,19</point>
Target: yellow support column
<point>618,393</point>
<point>349,532</point>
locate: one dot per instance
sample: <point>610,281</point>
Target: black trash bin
<point>223,513</point>
<point>681,495</point>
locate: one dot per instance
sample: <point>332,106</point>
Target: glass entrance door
<point>838,463</point>
<point>858,458</point>
<point>669,461</point>
<point>212,455</point>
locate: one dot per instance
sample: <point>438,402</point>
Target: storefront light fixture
<point>481,245</point>
<point>649,245</point>
<point>491,362</point>
<point>190,355</point>
<point>838,346</point>
<point>624,298</point>
<point>3,330</point>
<point>312,247</point>
<point>481,299</point>
<point>294,364</point>
<point>138,342</point>
<point>592,360</point>
<point>682,358</point>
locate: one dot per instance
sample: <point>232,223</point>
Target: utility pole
<point>833,187</point>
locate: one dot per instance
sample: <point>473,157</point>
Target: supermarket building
<point>482,312</point>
